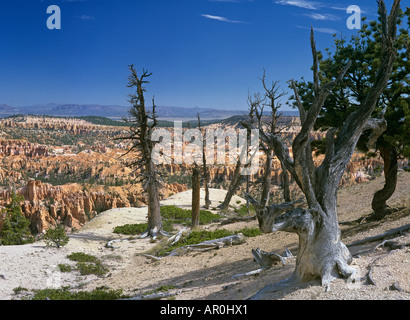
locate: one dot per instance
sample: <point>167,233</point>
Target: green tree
<point>56,237</point>
<point>15,230</point>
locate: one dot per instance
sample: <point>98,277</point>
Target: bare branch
<point>299,104</point>
<point>315,62</point>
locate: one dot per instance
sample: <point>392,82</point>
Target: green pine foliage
<point>15,229</point>
<point>56,237</point>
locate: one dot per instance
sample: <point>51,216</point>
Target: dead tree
<point>321,254</point>
<point>142,125</point>
<point>205,171</point>
<point>196,189</point>
<point>236,181</point>
<point>272,95</point>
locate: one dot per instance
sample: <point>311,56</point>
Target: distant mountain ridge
<point>116,112</point>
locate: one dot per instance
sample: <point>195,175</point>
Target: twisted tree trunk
<point>321,253</point>
<point>234,185</point>
<point>380,198</point>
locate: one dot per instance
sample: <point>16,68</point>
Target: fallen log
<point>210,244</point>
<point>175,238</point>
<point>381,236</point>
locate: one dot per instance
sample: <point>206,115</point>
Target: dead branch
<point>175,238</point>
<point>151,257</point>
<point>238,219</point>
<point>158,295</point>
<point>381,236</point>
<point>250,273</point>
<point>210,244</point>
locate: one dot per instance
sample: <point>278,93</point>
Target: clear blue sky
<point>204,53</point>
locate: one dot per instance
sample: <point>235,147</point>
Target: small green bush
<point>19,289</point>
<point>87,264</point>
<point>56,237</point>
<point>184,216</point>
<point>131,229</point>
<point>82,257</point>
<point>91,268</point>
<point>171,215</point>
<point>100,293</point>
<point>174,213</point>
<point>242,211</point>
<point>250,232</point>
<point>64,267</point>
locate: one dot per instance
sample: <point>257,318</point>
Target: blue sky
<point>204,53</point>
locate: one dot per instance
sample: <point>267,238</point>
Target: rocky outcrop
<point>46,205</point>
<point>21,147</point>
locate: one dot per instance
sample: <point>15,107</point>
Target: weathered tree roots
<point>266,260</point>
<point>267,292</point>
<point>154,233</point>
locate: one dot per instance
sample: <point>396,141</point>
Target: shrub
<point>242,211</point>
<point>91,268</point>
<point>56,237</point>
<point>184,216</point>
<point>171,215</point>
<point>82,257</point>
<point>87,264</point>
<point>64,267</point>
<point>131,229</point>
<point>15,230</point>
<point>250,232</point>
<point>100,293</point>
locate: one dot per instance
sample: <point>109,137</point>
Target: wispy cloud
<point>85,17</point>
<point>223,0</point>
<point>300,3</point>
<point>325,30</point>
<point>223,19</point>
<point>322,16</point>
<point>311,5</point>
<point>233,1</point>
<point>319,29</point>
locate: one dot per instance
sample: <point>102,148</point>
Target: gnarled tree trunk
<point>233,186</point>
<point>267,178</point>
<point>154,213</point>
<point>321,253</point>
<point>380,198</point>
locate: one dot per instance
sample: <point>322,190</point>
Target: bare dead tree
<point>238,178</point>
<point>236,181</point>
<point>205,171</point>
<point>272,95</point>
<point>321,254</point>
<point>196,189</point>
<point>142,124</point>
